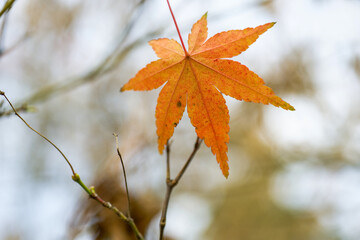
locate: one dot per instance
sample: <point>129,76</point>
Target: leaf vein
<point>233,79</point>
<point>172,95</point>
<point>207,111</point>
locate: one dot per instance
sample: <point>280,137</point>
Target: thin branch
<point>92,193</point>
<point>124,172</point>
<point>182,171</point>
<point>168,161</point>
<point>2,33</point>
<point>164,210</point>
<point>17,114</point>
<point>76,178</point>
<point>170,184</point>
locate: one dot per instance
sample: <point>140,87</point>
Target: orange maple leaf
<point>197,78</point>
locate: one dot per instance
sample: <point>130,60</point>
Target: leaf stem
<point>170,184</point>
<point>177,28</point>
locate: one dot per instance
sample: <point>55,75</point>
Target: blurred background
<point>293,175</point>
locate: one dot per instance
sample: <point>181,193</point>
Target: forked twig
<point>76,178</point>
<point>171,183</point>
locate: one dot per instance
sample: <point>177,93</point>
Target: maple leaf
<point>197,78</point>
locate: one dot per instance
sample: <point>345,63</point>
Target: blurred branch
<point>23,108</point>
<point>7,6</point>
<point>2,34</point>
<point>14,46</point>
<point>106,65</point>
<point>171,183</point>
<point>76,178</point>
<point>114,58</point>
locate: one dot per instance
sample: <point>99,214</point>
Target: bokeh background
<point>293,175</point>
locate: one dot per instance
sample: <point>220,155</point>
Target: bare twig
<point>76,178</point>
<point>182,171</point>
<point>92,193</point>
<point>128,219</point>
<point>168,161</point>
<point>170,184</point>
<point>17,114</point>
<point>124,172</point>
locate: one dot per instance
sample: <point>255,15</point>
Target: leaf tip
<point>271,24</point>
<point>225,170</point>
<point>205,15</point>
<point>122,89</point>
<point>161,145</point>
<point>161,149</point>
<point>287,106</point>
